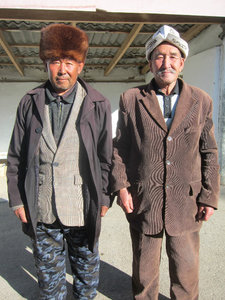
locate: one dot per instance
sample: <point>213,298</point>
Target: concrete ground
<point>17,273</point>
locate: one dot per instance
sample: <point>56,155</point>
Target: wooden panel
<point>102,16</point>
<point>10,54</point>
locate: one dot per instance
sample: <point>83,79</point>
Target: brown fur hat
<point>61,41</point>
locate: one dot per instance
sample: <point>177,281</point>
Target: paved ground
<point>17,273</point>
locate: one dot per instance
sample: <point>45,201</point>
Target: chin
<point>166,80</point>
<point>62,88</point>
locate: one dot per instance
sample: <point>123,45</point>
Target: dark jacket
<point>167,171</point>
<point>94,126</point>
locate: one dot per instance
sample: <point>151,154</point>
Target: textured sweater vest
<point>60,184</point>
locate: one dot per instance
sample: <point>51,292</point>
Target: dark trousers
<point>50,262</point>
<point>183,256</point>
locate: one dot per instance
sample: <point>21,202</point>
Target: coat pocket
<point>195,188</point>
<point>139,202</point>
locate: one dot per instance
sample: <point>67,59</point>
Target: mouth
<point>167,71</point>
<point>61,79</point>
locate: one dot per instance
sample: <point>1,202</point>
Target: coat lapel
<point>151,103</point>
<point>38,96</point>
<point>47,131</point>
<point>87,106</point>
<point>71,123</point>
<point>184,104</point>
<point>39,100</point>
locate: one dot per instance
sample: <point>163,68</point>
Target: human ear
<point>181,64</point>
<point>80,67</point>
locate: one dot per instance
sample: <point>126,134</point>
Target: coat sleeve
<point>105,154</point>
<point>121,149</point>
<point>209,194</point>
<point>16,159</point>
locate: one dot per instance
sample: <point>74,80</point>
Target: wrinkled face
<point>166,64</point>
<point>63,73</point>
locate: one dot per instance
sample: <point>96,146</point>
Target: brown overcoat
<point>168,172</point>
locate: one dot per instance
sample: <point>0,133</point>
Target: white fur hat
<point>166,34</point>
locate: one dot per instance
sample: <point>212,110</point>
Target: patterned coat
<point>167,172</point>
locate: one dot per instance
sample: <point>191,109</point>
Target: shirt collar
<point>68,97</point>
<point>175,90</point>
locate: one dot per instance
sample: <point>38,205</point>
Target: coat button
<point>168,162</point>
<point>38,130</point>
<point>55,164</point>
<point>169,138</point>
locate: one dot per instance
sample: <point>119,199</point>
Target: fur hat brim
<point>63,41</point>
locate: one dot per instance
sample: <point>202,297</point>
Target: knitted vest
<point>60,184</point>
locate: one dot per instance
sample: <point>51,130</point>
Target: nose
<point>62,68</point>
<point>166,61</point>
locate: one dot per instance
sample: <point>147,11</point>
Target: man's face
<point>63,73</point>
<point>166,64</point>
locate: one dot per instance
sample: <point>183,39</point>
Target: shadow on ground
<point>16,259</point>
<point>115,284</point>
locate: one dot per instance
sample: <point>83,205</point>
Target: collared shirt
<point>174,99</point>
<point>59,109</point>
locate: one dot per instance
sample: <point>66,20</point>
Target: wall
<point>113,91</point>
<point>10,93</point>
<point>222,115</point>
<point>203,70</point>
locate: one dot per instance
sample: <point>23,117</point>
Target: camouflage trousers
<point>50,261</point>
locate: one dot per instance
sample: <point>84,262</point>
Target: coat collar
<point>185,102</point>
<point>92,96</point>
<point>38,95</point>
<point>151,103</point>
<point>95,95</point>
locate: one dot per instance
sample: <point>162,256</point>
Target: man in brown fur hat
<point>58,166</point>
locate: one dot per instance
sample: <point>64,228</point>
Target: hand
<point>20,213</point>
<point>204,212</point>
<point>125,201</point>
<point>104,210</point>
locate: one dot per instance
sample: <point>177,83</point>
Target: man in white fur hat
<point>165,169</point>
